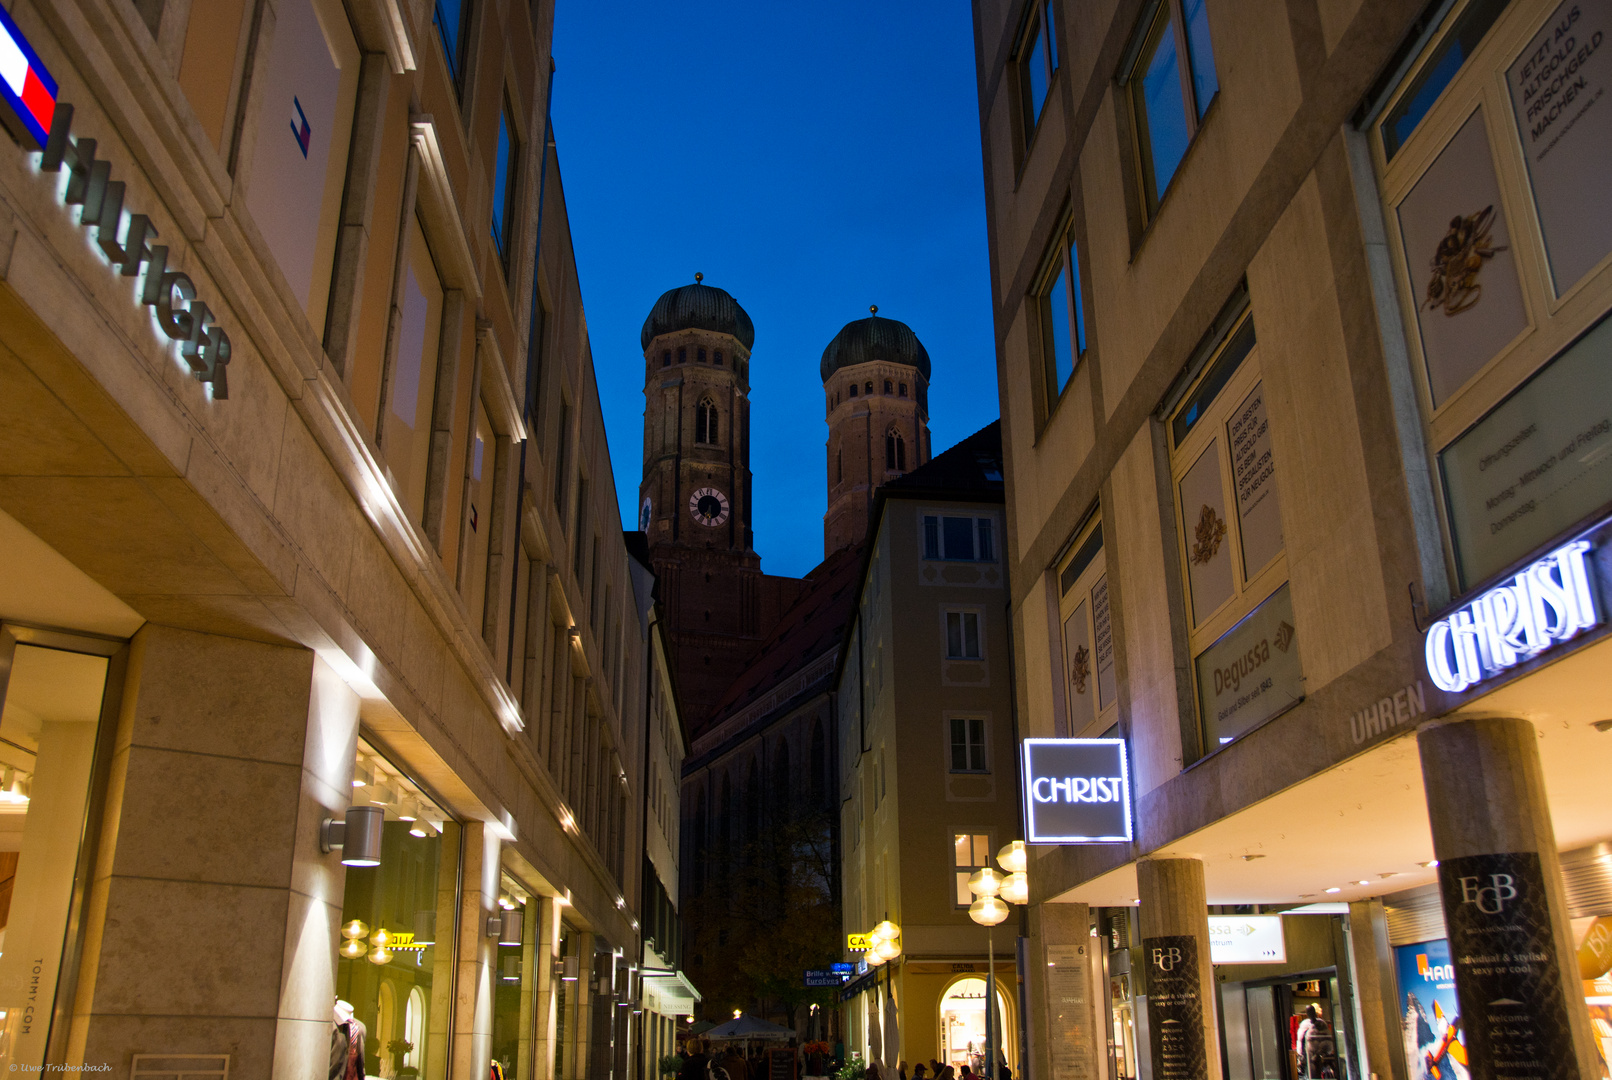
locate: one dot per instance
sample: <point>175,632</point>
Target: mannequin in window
<point>347,1044</point>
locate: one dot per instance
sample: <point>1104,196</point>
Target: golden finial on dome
<point>698,277</point>
<point>873,309</point>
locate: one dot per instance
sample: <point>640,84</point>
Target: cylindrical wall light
<point>506,926</point>
<point>358,835</point>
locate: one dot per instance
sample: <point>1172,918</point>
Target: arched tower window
<point>887,389</point>
<point>705,421</point>
<point>895,451</point>
<point>839,465</point>
<point>903,389</point>
<point>700,354</point>
<point>682,354</point>
<point>853,389</point>
<point>666,358</point>
<point>716,358</point>
<point>869,388</point>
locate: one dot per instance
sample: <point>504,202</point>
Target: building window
<point>895,451</point>
<point>959,539</point>
<point>452,20</point>
<point>411,393</point>
<point>868,389</point>
<point>967,744</point>
<point>1063,315</point>
<point>839,465</point>
<point>705,422</point>
<point>962,635</point>
<point>1038,61</point>
<point>887,387</point>
<point>699,355</point>
<point>853,389</point>
<point>503,224</point>
<point>716,358</point>
<point>666,358</point>
<point>1090,690</point>
<point>970,852</point>
<point>903,389</point>
<point>1170,85</point>
<point>682,354</point>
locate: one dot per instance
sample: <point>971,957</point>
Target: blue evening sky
<point>811,159</point>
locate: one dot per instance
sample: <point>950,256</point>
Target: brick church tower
<point>876,383</point>
<point>694,500</point>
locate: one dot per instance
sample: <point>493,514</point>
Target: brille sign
<point>1076,791</point>
<point>1547,602</point>
<point>43,123</point>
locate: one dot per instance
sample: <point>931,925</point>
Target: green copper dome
<point>866,340</point>
<point>698,307</point>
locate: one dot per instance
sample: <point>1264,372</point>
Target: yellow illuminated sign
<point>858,942</point>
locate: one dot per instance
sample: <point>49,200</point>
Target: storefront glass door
<point>49,724</point>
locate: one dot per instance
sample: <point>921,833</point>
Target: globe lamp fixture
<point>1016,888</point>
<point>353,948</point>
<point>873,958</point>
<point>886,931</point>
<point>1013,857</point>
<point>985,882</point>
<point>988,911</point>
<point>887,949</point>
<point>356,929</point>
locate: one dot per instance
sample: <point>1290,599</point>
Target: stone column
<point>580,1033</point>
<point>1064,1029</point>
<point>1183,1038</point>
<point>531,934</point>
<point>476,964</point>
<point>547,913</point>
<point>212,916</point>
<point>1381,1012</point>
<point>1501,885</point>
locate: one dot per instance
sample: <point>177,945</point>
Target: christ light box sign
<point>1076,791</point>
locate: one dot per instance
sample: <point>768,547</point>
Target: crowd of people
<point>705,1061</point>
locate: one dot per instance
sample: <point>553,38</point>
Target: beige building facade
<point>928,777</point>
<point>326,669</point>
<point>1296,306</point>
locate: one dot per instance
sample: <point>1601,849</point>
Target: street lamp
<point>993,892</point>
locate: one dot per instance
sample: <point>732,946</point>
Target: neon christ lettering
<point>1077,789</point>
<point>1546,603</point>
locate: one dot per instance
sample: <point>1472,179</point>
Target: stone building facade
<point>324,665</point>
<point>1295,310</point>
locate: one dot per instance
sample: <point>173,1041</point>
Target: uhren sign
<point>1548,601</point>
<point>1076,791</point>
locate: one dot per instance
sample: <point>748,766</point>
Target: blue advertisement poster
<point>1434,1046</point>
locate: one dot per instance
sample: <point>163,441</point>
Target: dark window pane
<point>1057,310</point>
<point>971,635</point>
<point>1225,365</point>
<point>502,175</point>
<point>1161,112</point>
<point>931,538</point>
<point>959,758</point>
<point>1034,59</point>
<point>1074,300</point>
<point>976,742</point>
<point>1204,83</point>
<point>449,18</point>
<point>1052,36</point>
<point>1436,74</point>
<point>959,534</point>
<point>987,541</point>
<point>954,634</point>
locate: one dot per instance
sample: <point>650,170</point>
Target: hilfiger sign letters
<point>44,123</point>
<point>1547,602</point>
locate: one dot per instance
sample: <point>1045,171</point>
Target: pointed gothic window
<point>839,465</point>
<point>895,451</point>
<point>705,421</point>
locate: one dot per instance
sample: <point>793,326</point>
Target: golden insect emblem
<point>1457,261</point>
<point>1210,532</point>
<point>1080,666</point>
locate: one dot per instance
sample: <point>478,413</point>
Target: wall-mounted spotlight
<point>506,927</point>
<point>358,835</point>
<point>568,969</point>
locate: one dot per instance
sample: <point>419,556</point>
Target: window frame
<point>1062,262</point>
<point>961,872</point>
<point>1086,559</point>
<point>503,227</point>
<point>1040,28</point>
<point>989,533</point>
<point>964,613</point>
<point>1172,15</point>
<point>458,65</point>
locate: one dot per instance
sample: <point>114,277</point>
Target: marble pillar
<point>1183,1038</point>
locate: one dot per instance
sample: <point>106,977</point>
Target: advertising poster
<point>1513,1004</point>
<point>1078,663</point>
<point>1175,1008</point>
<point>1254,471</point>
<point>1253,671</point>
<point>1069,1015</point>
<point>1203,522</point>
<point>1536,465</point>
<point>1559,95</point>
<point>1459,259</point>
<point>1105,643</point>
<point>1434,1049</point>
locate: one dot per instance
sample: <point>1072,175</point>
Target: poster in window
<point>1077,659</point>
<point>1252,673</point>
<point>1103,631</point>
<point>303,116</point>
<point>1254,470</point>
<point>1559,97</point>
<point>1206,537</point>
<point>1536,465</point>
<point>1460,262</point>
<point>1427,1008</point>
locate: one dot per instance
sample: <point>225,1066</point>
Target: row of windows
<point>891,388</point>
<point>682,356</point>
<point>959,539</point>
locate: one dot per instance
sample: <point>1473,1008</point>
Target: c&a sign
<point>1076,791</point>
<point>1548,601</point>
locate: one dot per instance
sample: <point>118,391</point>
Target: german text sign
<point>1076,791</point>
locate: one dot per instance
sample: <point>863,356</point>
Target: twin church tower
<point>695,498</point>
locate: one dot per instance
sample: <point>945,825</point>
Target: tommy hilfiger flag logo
<point>300,128</point>
<point>25,84</point>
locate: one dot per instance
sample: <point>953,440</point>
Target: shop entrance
<point>962,1024</point>
<point>1292,1029</point>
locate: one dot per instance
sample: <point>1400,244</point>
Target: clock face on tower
<point>709,506</point>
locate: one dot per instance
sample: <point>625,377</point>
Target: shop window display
<point>513,985</point>
<point>395,964</point>
<point>48,733</point>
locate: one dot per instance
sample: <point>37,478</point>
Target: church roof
<point>698,307</point>
<point>813,625</point>
<point>863,341</point>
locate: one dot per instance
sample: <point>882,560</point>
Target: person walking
<point>1314,1046</point>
